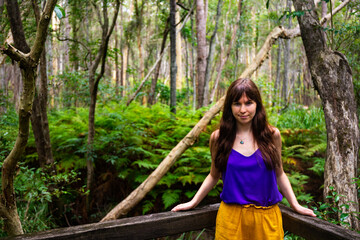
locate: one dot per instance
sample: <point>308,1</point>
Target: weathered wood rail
<point>169,223</point>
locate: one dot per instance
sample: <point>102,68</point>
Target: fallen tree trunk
<point>138,194</point>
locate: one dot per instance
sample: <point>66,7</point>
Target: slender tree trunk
<point>187,73</point>
<point>124,62</point>
<point>193,77</point>
<point>94,80</point>
<point>117,70</point>
<point>332,77</point>
<point>173,67</point>
<point>39,119</point>
<point>179,64</point>
<point>278,72</point>
<point>201,51</point>
<point>139,11</point>
<point>287,60</point>
<point>151,99</point>
<point>210,57</point>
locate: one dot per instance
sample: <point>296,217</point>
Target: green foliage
<point>297,180</point>
<point>133,141</point>
<point>303,145</point>
<point>291,236</point>
<point>300,117</point>
<point>331,212</point>
<point>8,133</point>
<point>303,136</point>
<point>33,196</point>
<point>75,90</point>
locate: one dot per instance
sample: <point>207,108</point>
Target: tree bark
<point>173,67</point>
<point>138,194</point>
<point>179,64</point>
<point>139,11</point>
<point>287,60</point>
<point>193,77</point>
<point>332,77</point>
<point>210,57</point>
<point>151,98</point>
<point>278,71</point>
<point>39,119</point>
<point>28,65</point>
<point>201,51</point>
<point>117,70</point>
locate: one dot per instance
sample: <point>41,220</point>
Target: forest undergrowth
<point>130,142</point>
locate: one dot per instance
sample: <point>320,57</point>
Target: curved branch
<point>333,12</point>
<point>14,53</point>
<point>42,30</point>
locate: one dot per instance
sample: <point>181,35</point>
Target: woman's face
<point>244,110</point>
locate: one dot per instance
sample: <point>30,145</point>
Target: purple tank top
<point>248,181</point>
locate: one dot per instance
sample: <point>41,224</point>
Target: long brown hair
<point>262,131</point>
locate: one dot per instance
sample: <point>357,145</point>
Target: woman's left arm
<point>284,183</point>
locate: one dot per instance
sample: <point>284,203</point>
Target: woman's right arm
<point>208,184</point>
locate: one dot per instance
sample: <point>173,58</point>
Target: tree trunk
<point>210,57</point>
<point>28,66</point>
<point>193,77</point>
<point>287,60</point>
<point>139,11</point>
<point>93,87</point>
<point>151,99</point>
<point>117,70</point>
<point>173,67</point>
<point>39,119</point>
<point>201,51</point>
<point>332,77</point>
<point>179,64</point>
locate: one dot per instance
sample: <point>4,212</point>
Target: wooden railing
<point>169,223</point>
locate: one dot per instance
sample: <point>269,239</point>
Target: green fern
<point>170,197</point>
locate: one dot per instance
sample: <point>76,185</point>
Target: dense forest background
<point>112,99</point>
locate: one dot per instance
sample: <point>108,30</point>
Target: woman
<point>246,154</point>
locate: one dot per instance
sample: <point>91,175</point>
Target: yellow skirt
<point>248,222</point>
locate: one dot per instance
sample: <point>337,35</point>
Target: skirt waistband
<point>259,207</point>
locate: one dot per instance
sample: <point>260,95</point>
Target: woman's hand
<point>184,206</point>
<point>304,211</point>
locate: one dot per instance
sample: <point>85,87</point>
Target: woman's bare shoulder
<point>215,135</point>
<point>276,133</point>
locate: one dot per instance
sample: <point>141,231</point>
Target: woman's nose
<point>242,108</point>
